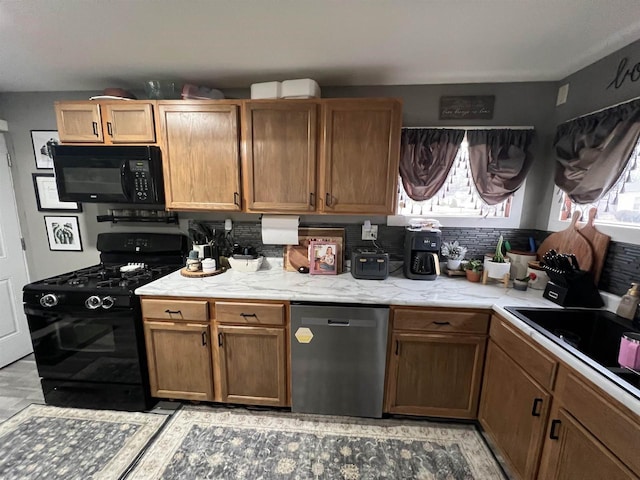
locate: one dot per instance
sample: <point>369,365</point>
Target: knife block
<point>572,289</point>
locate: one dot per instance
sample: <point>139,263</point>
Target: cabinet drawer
<point>175,310</point>
<point>440,321</point>
<point>617,430</point>
<point>541,366</point>
<point>250,313</point>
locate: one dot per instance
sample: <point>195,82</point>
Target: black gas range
<point>86,325</point>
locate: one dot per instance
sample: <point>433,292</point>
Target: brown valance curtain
<point>500,160</point>
<point>592,151</point>
<point>426,156</point>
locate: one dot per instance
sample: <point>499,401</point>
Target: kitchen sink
<point>591,335</point>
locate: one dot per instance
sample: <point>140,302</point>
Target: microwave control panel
<point>140,173</point>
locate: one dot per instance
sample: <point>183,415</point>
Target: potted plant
<point>454,253</point>
<point>497,266</point>
<point>473,269</point>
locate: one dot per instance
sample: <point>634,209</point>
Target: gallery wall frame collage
<point>63,231</point>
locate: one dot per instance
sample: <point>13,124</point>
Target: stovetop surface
<point>107,278</point>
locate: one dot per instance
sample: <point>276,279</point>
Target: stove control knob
<point>93,302</point>
<point>108,302</point>
<point>49,300</point>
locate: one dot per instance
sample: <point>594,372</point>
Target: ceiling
<point>48,45</point>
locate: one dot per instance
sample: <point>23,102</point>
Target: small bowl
<point>520,285</point>
<point>246,265</point>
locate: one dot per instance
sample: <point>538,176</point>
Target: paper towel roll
<point>280,229</point>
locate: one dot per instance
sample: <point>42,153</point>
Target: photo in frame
<point>47,194</point>
<point>323,259</point>
<point>42,141</point>
<point>63,233</point>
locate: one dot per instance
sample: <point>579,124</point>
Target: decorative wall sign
<point>47,194</point>
<point>63,233</point>
<point>473,107</point>
<point>624,72</point>
<point>42,141</point>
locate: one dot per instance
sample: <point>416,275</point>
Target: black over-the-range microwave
<point>109,174</point>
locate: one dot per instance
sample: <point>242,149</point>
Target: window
<point>620,206</point>
<point>458,196</point>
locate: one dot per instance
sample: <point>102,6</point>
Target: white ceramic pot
<point>496,270</point>
<point>541,279</point>
<point>453,264</point>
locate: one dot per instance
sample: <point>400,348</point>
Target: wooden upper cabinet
<point>514,411</point>
<point>129,122</point>
<point>201,162</point>
<point>359,155</point>
<point>79,122</point>
<point>279,168</point>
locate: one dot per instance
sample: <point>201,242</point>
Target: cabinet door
<point>437,375</point>
<point>179,358</point>
<point>130,122</point>
<point>252,365</point>
<point>280,159</point>
<point>79,122</point>
<point>571,452</point>
<point>360,152</point>
<point>513,411</point>
<point>201,161</point>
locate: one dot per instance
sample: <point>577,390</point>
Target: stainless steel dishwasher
<point>338,358</point>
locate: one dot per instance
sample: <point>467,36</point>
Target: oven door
<point>87,345</point>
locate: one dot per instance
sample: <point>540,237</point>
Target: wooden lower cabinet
<point>513,411</point>
<point>571,452</point>
<point>252,365</point>
<point>179,357</point>
<point>435,374</point>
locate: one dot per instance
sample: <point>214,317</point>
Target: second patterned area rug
<point>211,443</point>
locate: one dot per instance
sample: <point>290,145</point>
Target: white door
<point>15,342</point>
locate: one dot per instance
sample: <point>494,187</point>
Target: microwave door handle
<point>124,181</point>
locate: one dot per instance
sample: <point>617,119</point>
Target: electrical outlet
<point>370,233</point>
<point>228,225</point>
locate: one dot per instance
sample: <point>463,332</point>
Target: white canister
<point>541,279</point>
<point>519,263</point>
<point>208,265</point>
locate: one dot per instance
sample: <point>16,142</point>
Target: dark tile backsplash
<point>622,263</point>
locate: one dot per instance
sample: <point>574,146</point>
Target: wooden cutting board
<point>599,243</point>
<point>296,256</point>
<point>569,241</point>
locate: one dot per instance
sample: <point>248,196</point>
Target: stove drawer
<point>175,310</point>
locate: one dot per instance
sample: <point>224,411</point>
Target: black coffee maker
<point>421,248</point>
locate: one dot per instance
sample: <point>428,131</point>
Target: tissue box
<point>266,90</point>
<point>300,88</point>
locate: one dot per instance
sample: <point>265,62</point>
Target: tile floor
<point>19,386</point>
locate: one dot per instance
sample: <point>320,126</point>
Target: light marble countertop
<point>273,283</point>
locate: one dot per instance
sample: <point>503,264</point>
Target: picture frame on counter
<point>42,141</point>
<point>323,258</point>
<point>47,197</point>
<point>63,233</point>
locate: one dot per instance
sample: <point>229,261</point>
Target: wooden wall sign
<point>473,107</point>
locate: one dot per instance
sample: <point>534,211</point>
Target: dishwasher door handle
<point>342,323</point>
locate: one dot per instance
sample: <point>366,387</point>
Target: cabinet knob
<point>535,409</point>
<point>236,198</point>
<point>204,339</point>
<point>95,128</point>
<point>220,339</point>
<point>327,199</point>
<point>553,431</point>
<point>312,199</point>
<point>109,129</point>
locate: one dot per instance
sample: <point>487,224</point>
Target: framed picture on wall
<point>42,141</point>
<point>63,233</point>
<point>323,258</point>
<point>47,194</point>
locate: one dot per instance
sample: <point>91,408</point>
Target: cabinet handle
<point>173,312</point>
<point>327,199</point>
<point>442,323</point>
<point>220,339</point>
<point>312,200</point>
<point>95,128</point>
<point>397,347</point>
<point>535,409</point>
<point>236,198</point>
<point>204,339</point>
<point>245,315</point>
<point>553,433</point>
<point>109,129</point>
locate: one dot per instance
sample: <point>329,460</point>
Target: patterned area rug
<point>67,443</point>
<point>209,443</point>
